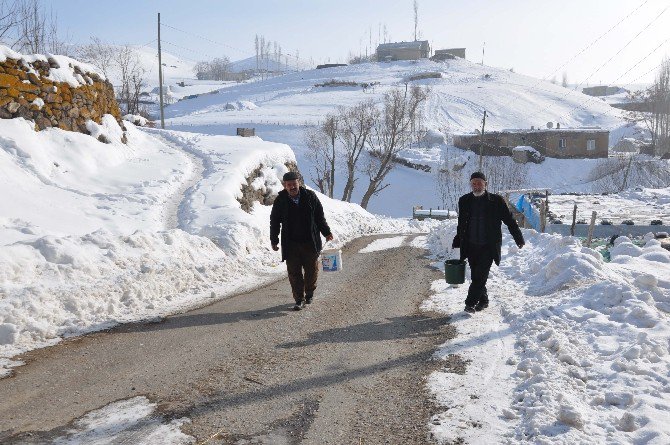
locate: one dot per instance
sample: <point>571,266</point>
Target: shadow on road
<point>394,328</point>
<point>211,318</point>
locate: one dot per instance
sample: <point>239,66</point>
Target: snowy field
<point>571,350</point>
<point>641,205</point>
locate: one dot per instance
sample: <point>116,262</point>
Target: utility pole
<point>160,72</point>
<point>481,142</point>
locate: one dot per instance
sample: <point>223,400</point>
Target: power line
<point>596,40</point>
<point>581,105</point>
<point>204,38</point>
<point>626,45</point>
<point>219,43</point>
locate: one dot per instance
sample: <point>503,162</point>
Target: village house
<point>446,54</point>
<point>583,142</point>
<point>387,52</point>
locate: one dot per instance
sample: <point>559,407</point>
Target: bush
<point>628,222</point>
<point>605,222</point>
<point>656,222</point>
<point>428,75</point>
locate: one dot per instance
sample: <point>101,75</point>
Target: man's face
<point>292,187</point>
<point>478,185</point>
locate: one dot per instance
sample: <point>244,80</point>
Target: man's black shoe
<point>297,307</point>
<point>309,298</point>
<point>481,306</point>
<point>470,309</point>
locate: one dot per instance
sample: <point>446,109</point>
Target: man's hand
<point>329,237</point>
<point>275,247</point>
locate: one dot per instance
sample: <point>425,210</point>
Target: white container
<point>331,260</point>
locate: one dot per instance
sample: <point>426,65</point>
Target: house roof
<point>419,44</point>
<point>543,130</point>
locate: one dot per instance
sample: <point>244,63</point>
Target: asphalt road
<point>350,369</point>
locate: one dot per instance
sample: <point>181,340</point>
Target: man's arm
<point>510,222</point>
<point>320,219</point>
<point>275,223</point>
<point>456,243</point>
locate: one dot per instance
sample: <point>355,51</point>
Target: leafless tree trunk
<point>390,134</point>
<point>321,141</point>
<point>354,129</point>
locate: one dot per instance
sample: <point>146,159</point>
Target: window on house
<point>591,144</point>
<point>561,143</point>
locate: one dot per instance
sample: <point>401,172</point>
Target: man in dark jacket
<point>299,213</point>
<point>479,237</point>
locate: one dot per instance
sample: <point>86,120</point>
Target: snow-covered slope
<point>457,102</point>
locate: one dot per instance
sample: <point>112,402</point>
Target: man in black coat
<point>298,214</point>
<point>479,237</point>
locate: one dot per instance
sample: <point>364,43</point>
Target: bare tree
<point>320,141</point>
<point>132,76</point>
<point>450,178</point>
<point>502,173</point>
<point>355,125</point>
<point>36,30</point>
<point>257,47</point>
<point>564,80</point>
<point>655,111</point>
<point>613,175</point>
<point>99,54</point>
<point>9,20</point>
<point>390,134</point>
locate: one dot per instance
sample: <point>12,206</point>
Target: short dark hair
<point>290,176</point>
<point>479,175</point>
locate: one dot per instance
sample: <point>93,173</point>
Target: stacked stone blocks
<point>25,91</point>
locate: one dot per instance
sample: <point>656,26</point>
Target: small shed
<point>246,132</point>
<point>449,53</point>
<point>419,49</point>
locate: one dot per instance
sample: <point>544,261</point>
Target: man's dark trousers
<point>480,258</point>
<point>301,256</point>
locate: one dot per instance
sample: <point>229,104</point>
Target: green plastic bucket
<point>454,271</point>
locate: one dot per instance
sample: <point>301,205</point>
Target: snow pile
<point>572,349</point>
<point>137,120</point>
<point>126,421</point>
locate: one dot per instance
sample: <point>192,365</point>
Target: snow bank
<point>572,349</point>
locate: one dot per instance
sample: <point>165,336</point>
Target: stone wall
<point>29,89</point>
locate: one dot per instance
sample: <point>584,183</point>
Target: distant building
<point>387,52</point>
<point>330,65</point>
<point>451,53</point>
<point>601,90</point>
<point>586,142</point>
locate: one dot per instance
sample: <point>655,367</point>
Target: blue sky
<point>532,37</point>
